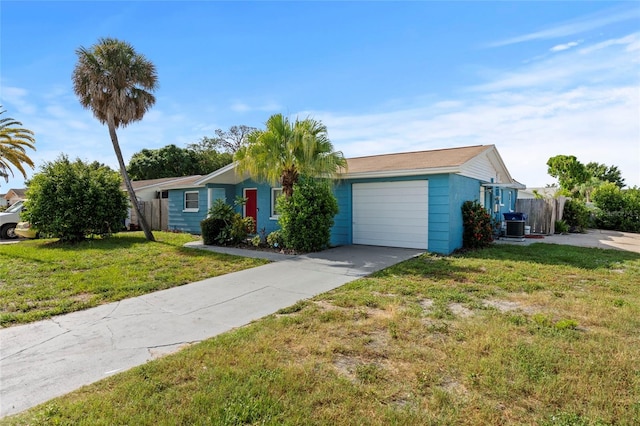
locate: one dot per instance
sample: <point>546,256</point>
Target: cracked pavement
<point>46,359</point>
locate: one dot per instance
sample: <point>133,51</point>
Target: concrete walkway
<point>42,360</point>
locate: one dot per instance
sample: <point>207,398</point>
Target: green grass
<point>43,278</point>
<point>508,335</point>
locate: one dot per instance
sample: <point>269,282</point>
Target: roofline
<point>222,170</point>
<point>514,185</point>
<point>399,173</point>
<point>161,184</point>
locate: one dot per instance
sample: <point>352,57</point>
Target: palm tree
<point>13,141</point>
<point>284,151</point>
<point>116,82</point>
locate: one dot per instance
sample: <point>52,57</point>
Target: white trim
<point>184,202</point>
<point>394,173</point>
<point>272,214</point>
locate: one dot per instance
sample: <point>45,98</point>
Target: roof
<point>19,192</point>
<point>418,160</point>
<point>160,183</point>
<point>482,162</point>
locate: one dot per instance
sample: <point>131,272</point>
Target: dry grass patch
<point>551,340</point>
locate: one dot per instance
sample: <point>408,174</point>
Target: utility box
<point>515,224</point>
<point>515,228</point>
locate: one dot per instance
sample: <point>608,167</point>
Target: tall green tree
<point>230,140</point>
<point>169,161</point>
<point>286,150</point>
<point>210,155</point>
<point>570,172</point>
<point>14,140</point>
<point>116,84</point>
<point>605,173</point>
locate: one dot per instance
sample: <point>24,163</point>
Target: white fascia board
<point>514,185</point>
<point>398,173</point>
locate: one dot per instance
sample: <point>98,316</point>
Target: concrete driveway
<point>596,238</point>
<point>45,359</point>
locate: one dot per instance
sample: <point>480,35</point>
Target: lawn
<point>508,335</point>
<point>43,278</point>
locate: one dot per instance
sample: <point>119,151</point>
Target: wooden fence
<point>156,212</point>
<point>542,213</point>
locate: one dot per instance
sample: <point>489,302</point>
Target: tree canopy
<point>72,199</point>
<point>116,84</point>
<point>14,140</point>
<point>286,150</point>
<point>229,141</point>
<point>578,180</point>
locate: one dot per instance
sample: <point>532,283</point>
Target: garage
<point>391,214</point>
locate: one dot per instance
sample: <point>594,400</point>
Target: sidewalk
<point>42,360</point>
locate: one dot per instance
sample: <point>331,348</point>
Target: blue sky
<point>536,79</point>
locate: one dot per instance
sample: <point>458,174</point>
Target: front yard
<point>43,278</point>
<point>543,334</point>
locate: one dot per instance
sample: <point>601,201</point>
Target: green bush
<point>576,215</point>
<point>561,227</point>
<point>274,239</point>
<point>224,226</point>
<point>307,216</point>
<point>617,209</point>
<point>477,226</point>
<point>211,228</point>
<point>73,200</point>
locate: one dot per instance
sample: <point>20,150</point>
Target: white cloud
<point>576,26</point>
<point>581,102</point>
<point>607,62</point>
<point>566,46</point>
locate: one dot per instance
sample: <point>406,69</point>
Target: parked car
<point>9,219</point>
<point>24,229</point>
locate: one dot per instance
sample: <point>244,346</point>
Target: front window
<point>191,201</point>
<point>275,194</point>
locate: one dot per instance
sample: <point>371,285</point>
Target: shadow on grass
<point>553,254</point>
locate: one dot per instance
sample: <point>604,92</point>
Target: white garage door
<point>392,214</point>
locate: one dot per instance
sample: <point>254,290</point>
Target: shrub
<point>224,226</point>
<point>73,200</point>
<point>274,239</point>
<point>576,215</point>
<point>477,225</point>
<point>307,216</point>
<point>617,209</point>
<point>211,229</point>
<point>561,227</point>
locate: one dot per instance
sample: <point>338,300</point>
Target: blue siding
<point>180,220</point>
<point>341,232</point>
<point>462,189</point>
<point>447,193</point>
<point>265,221</point>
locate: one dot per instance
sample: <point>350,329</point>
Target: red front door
<point>251,207</point>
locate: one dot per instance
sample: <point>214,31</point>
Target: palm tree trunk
<point>127,182</point>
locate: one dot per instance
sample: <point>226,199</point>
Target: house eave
<point>510,185</point>
<point>399,173</point>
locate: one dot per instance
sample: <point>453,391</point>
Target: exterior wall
<point>342,230</point>
<point>185,221</point>
<point>266,222</point>
<point>447,193</point>
<point>461,189</point>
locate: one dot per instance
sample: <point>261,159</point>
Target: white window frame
<point>273,214</point>
<point>191,209</point>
